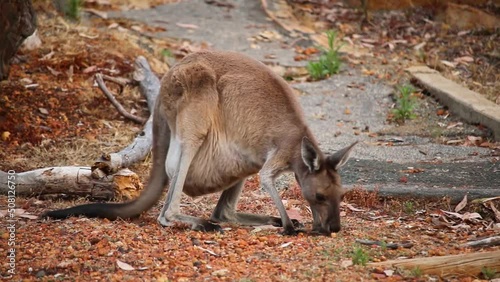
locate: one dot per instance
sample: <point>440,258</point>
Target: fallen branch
<point>78,181</point>
<point>392,246</point>
<point>112,99</point>
<point>491,241</point>
<point>149,86</point>
<point>105,179</point>
<point>118,80</point>
<point>470,264</point>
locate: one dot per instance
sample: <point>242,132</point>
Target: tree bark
<point>470,264</point>
<point>17,22</point>
<point>77,181</point>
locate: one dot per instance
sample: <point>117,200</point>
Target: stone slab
<point>467,104</point>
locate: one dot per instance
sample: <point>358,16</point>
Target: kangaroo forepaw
<point>207,227</point>
<point>290,231</point>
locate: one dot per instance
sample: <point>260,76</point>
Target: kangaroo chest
<point>216,166</point>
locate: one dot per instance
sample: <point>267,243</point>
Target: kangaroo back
<point>220,117</point>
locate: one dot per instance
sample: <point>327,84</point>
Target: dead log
<point>470,264</point>
<point>149,86</point>
<point>491,241</point>
<point>105,179</point>
<point>77,181</point>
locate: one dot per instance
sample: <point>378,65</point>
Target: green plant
<point>359,256</point>
<point>383,245</point>
<point>73,11</point>
<point>488,273</point>
<point>417,272</point>
<point>409,207</point>
<point>405,103</point>
<point>329,62</point>
<point>167,53</point>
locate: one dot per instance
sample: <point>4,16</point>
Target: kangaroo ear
<point>338,159</point>
<point>310,155</point>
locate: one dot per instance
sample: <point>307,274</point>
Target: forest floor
<point>53,115</point>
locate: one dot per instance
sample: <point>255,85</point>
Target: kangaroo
<point>221,117</point>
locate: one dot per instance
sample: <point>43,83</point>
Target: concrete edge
<point>467,104</point>
<point>455,194</point>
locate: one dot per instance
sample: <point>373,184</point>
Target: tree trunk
<point>17,22</point>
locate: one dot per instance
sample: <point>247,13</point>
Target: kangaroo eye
<point>320,198</point>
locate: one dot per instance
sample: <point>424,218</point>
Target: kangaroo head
<point>321,186</point>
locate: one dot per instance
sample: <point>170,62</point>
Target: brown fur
<point>221,117</point>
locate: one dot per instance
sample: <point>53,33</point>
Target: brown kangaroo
<point>221,117</point>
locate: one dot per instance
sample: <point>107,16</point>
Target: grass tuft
<point>329,62</point>
<point>405,104</point>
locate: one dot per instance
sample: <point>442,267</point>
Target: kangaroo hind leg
<point>195,109</point>
<point>225,211</point>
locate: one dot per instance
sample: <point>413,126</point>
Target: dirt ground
<point>54,115</point>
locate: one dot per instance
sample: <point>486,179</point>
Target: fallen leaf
<point>455,214</point>
<point>346,263</point>
<point>464,59</point>
<point>470,216</point>
<point>441,112</point>
<point>88,36</point>
<point>388,272</point>
<point>65,263</point>
<point>495,211</point>
<point>220,272</point>
<point>285,244</point>
<point>462,204</point>
<point>124,265</point>
<point>53,71</point>
<point>5,135</point>
<point>352,208</point>
<point>90,69</point>
<point>412,170</point>
<point>207,250</point>
<point>190,26</point>
<point>448,63</point>
<point>310,50</point>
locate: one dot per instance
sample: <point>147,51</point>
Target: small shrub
<point>329,62</point>
<point>359,256</point>
<point>488,273</point>
<point>417,272</point>
<point>409,207</point>
<point>405,104</point>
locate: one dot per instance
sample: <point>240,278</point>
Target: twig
<point>491,241</point>
<point>112,99</point>
<point>140,147</point>
<point>207,250</point>
<point>392,246</point>
<point>118,80</point>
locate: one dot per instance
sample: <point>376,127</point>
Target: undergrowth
<point>329,62</point>
<point>405,104</point>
